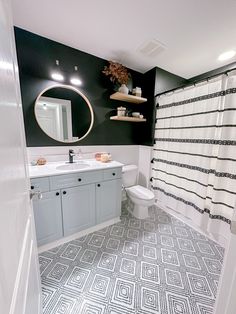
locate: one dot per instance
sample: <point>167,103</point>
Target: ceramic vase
<point>123,89</point>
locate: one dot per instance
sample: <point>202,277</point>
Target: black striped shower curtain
<point>194,156</point>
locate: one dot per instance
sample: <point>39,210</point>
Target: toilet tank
<point>129,175</point>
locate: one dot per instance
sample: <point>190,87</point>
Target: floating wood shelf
<point>130,119</point>
<point>128,98</point>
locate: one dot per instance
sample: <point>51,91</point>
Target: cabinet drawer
<point>113,173</point>
<point>40,184</point>
<point>70,180</point>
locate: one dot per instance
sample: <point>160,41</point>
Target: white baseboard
<point>77,235</point>
<point>223,241</point>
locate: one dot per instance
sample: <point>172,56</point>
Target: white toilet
<point>141,197</point>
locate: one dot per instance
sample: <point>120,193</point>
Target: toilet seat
<point>140,192</point>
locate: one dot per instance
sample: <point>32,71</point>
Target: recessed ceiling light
<point>75,81</point>
<point>227,55</point>
<point>57,76</point>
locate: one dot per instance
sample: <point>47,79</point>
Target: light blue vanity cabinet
<point>78,208</point>
<point>108,195</point>
<point>47,212</point>
<point>74,202</point>
<point>48,217</point>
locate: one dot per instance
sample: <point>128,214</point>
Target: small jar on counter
<point>105,157</point>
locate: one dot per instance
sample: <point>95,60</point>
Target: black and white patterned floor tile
<point>157,265</point>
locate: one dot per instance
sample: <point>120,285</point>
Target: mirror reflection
<point>64,113</point>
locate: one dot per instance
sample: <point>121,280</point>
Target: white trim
<point>20,268</point>
<point>28,272</point>
<point>225,298</point>
<point>77,235</point>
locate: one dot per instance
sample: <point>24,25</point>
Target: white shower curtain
<point>194,156</point>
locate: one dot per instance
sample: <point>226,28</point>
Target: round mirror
<point>64,113</point>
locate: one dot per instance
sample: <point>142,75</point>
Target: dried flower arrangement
<point>117,72</point>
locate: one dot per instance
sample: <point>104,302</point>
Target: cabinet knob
<point>32,187</point>
<point>64,192</point>
<point>57,193</point>
<point>99,185</point>
<point>79,180</point>
<point>113,174</point>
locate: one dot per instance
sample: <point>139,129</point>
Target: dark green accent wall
<point>156,81</point>
<point>36,58</point>
<point>213,72</point>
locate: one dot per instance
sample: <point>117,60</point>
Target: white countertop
<point>50,169</point>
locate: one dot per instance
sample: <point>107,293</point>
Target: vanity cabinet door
<point>78,208</point>
<point>108,200</point>
<point>48,217</point>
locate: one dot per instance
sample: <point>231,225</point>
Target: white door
<point>49,121</point>
<point>54,117</point>
<point>19,270</point>
<point>226,297</point>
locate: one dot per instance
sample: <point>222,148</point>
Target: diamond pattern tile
<point>149,251</point>
<point>107,261</point>
<point>170,257</point>
<point>88,256</point>
<point>124,293</point>
<point>199,285</point>
<point>191,261</point>
<point>178,304</point>
<point>78,278</point>
<point>113,244</point>
<point>130,248</point>
<point>173,278</point>
<point>71,252</point>
<point>128,266</point>
<point>154,266</point>
<point>149,301</point>
<point>150,272</point>
<point>58,271</point>
<point>100,285</point>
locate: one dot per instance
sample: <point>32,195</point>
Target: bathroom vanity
<point>75,197</point>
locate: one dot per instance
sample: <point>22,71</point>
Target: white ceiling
<point>194,32</point>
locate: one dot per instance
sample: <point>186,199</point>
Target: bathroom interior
<point>118,139</point>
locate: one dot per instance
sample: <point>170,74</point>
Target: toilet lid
<point>141,192</point>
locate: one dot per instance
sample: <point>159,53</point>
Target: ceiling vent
<point>151,48</point>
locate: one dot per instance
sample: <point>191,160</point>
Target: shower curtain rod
<point>195,82</point>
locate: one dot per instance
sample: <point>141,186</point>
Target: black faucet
<point>71,156</point>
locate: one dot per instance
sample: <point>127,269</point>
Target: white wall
<point>126,154</point>
<point>145,156</point>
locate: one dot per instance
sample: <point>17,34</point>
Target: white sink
<point>74,166</point>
